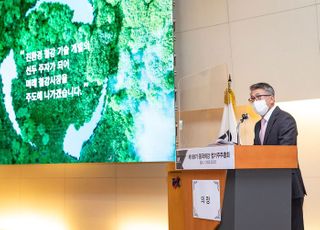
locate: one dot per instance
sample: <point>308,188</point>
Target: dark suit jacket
<point>282,130</point>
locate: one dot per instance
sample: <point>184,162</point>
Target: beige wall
<point>84,196</point>
<point>276,41</point>
<point>266,40</point>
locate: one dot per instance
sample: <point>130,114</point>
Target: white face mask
<point>260,107</point>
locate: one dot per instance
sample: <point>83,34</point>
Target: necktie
<point>262,130</point>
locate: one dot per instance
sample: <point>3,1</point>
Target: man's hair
<point>263,85</point>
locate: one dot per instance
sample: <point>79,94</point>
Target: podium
<point>254,194</point>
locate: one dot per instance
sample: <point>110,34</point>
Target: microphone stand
<point>242,119</point>
<point>238,132</point>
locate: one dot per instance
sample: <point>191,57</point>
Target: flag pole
<point>227,133</point>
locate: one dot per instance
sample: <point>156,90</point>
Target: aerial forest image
<point>86,81</point>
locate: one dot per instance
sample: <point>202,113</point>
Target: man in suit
<point>278,127</point>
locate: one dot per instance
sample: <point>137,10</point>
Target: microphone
<point>244,117</point>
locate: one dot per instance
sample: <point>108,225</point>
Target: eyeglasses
<point>257,98</point>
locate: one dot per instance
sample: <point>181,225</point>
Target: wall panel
<point>282,49</point>
<point>202,49</point>
<point>241,9</point>
<point>192,14</point>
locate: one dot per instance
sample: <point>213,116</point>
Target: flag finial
<point>229,82</point>
<point>229,95</point>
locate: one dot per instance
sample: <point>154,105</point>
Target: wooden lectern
<point>256,195</point>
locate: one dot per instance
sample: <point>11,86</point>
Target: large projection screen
<point>86,81</point>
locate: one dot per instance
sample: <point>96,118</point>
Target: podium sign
<point>206,199</point>
<point>213,157</point>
